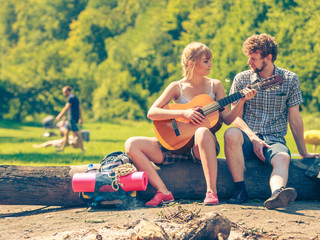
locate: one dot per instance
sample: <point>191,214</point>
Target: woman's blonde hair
<point>193,52</point>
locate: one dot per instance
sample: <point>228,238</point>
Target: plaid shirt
<point>267,113</point>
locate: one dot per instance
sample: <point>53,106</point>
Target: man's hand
<point>310,155</point>
<point>258,146</point>
<point>249,93</point>
<point>57,118</point>
<point>66,107</point>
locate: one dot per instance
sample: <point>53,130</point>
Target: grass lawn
<point>16,140</point>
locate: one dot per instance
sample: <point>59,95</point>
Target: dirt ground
<point>301,220</point>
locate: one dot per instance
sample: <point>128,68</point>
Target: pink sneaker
<point>160,198</point>
<point>211,199</point>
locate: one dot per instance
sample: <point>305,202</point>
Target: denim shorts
<point>269,153</point>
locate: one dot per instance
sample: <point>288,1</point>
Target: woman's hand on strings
<point>194,116</point>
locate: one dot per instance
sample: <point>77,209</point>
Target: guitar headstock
<point>273,81</point>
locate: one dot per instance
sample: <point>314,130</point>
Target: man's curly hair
<point>263,43</point>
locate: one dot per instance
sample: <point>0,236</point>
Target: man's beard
<point>257,70</point>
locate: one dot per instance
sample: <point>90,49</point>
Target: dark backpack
<point>113,160</point>
<point>106,192</point>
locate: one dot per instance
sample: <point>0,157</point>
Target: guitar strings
<point>221,103</point>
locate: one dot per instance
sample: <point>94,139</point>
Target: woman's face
<point>203,66</point>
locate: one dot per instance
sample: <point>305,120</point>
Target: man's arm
<point>240,123</point>
<point>297,129</point>
<point>63,111</point>
<point>257,143</point>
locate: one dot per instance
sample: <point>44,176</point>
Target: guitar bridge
<point>175,127</point>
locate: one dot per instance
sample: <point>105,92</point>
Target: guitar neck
<point>221,103</point>
<point>267,83</point>
<point>230,99</point>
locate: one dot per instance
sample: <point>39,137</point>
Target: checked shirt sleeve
<point>295,97</point>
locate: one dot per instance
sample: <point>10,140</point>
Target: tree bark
<point>186,180</point>
<point>27,185</point>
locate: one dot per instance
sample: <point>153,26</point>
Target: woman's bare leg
<point>142,150</point>
<point>205,149</point>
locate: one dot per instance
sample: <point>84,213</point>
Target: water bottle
<point>90,168</point>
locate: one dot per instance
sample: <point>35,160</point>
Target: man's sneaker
<point>211,199</point>
<point>160,198</point>
<point>282,198</point>
<point>240,196</point>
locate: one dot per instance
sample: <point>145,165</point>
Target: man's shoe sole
<point>282,199</point>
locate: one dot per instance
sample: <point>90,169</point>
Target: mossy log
<point>48,185</point>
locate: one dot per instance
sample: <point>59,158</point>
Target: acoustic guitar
<point>177,134</point>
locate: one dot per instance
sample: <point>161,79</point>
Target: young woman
<point>196,64</point>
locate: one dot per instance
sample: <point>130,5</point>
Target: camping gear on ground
<point>85,135</point>
<point>48,123</point>
<point>85,182</point>
<point>114,183</point>
<point>313,171</point>
<point>136,181</point>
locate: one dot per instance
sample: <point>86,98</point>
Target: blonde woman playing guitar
<point>196,64</point>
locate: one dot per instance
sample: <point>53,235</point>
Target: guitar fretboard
<point>230,99</point>
<point>221,103</point>
<point>267,83</point>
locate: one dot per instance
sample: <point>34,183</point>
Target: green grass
<point>16,142</point>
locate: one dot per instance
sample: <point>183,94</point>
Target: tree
<point>119,55</point>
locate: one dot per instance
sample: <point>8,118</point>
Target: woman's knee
<point>131,144</point>
<point>203,134</point>
<point>233,135</point>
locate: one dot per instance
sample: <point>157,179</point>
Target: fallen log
<point>186,180</point>
<point>27,185</point>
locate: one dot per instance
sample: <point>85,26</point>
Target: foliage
<point>119,55</point>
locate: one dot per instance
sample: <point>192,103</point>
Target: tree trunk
<point>186,180</point>
<point>27,185</point>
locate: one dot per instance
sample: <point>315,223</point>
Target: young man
<point>74,117</point>
<point>261,127</point>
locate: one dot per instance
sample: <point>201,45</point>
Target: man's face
<point>256,62</point>
<point>65,92</point>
